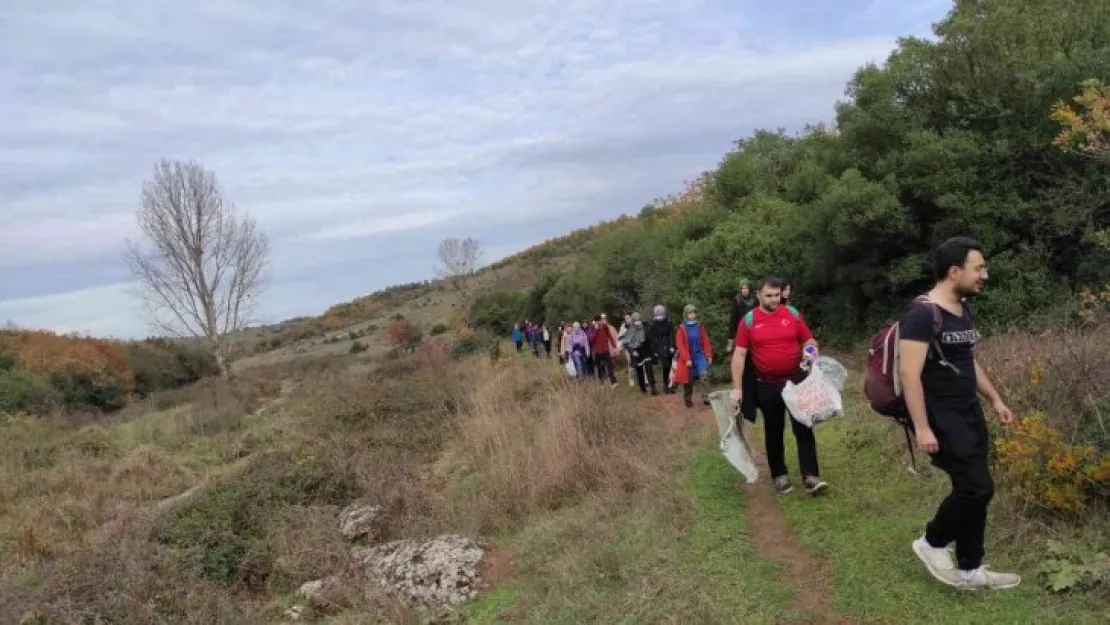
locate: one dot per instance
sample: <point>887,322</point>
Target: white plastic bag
<point>834,372</point>
<point>571,370</point>
<point>733,444</point>
<point>814,400</point>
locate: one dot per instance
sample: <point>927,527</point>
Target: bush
<point>1049,474</point>
<point>438,329</point>
<point>357,348</point>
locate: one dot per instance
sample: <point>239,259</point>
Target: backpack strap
<point>794,311</point>
<point>750,318</point>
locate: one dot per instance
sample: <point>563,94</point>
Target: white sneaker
<point>939,562</point>
<point>631,383</point>
<point>984,578</point>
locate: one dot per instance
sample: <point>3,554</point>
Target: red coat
<point>682,351</point>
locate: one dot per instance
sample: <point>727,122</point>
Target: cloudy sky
<point>363,132</point>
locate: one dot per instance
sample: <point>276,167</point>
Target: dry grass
<point>89,531</point>
<point>528,440</point>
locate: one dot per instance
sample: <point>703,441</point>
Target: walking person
<point>661,336</point>
<point>694,354</point>
<point>775,335</point>
<point>518,337</point>
<point>590,327</point>
<point>622,339</point>
<point>941,381</point>
<point>545,338</point>
<point>642,355</point>
<point>744,301</point>
<point>578,346</point>
<point>603,344</point>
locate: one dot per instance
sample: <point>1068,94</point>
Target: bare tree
<point>458,260</point>
<point>204,266</point>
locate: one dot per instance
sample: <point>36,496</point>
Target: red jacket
<point>602,341</point>
<point>682,351</point>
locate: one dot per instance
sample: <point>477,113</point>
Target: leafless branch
<point>201,267</point>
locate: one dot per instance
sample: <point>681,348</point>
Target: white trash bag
<point>569,367</point>
<point>734,446</point>
<point>815,400</point>
<point>834,372</point>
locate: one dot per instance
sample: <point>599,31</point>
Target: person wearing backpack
<point>776,335</point>
<point>941,381</point>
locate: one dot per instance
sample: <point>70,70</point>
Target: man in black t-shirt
<point>940,382</point>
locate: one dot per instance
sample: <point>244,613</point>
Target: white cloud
<point>393,120</point>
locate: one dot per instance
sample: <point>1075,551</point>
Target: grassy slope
<point>681,554</point>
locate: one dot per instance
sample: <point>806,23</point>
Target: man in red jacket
<point>776,335</point>
<point>602,344</point>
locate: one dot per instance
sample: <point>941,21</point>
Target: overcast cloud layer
<point>362,133</point>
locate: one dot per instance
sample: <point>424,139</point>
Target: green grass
<point>682,554</point>
<point>677,555</point>
<point>864,527</point>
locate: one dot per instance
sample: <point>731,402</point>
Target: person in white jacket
<point>622,338</point>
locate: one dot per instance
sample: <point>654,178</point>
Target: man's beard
<point>972,292</point>
<point>770,308</point>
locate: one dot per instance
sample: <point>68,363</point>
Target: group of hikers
<point>935,367</point>
<point>590,349</point>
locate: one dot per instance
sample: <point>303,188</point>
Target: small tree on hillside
<point>458,261</point>
<point>404,334</point>
<point>202,266</point>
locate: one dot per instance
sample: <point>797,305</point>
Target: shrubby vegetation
<point>42,372</point>
<point>952,136</point>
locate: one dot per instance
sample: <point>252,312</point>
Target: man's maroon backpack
<point>881,384</point>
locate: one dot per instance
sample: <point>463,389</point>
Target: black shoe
<point>689,402</point>
<point>814,485</point>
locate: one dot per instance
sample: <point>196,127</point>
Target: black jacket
<point>660,334</point>
<point>740,307</point>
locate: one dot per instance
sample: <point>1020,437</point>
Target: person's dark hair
<point>953,253</point>
<point>774,282</point>
<point>597,317</point>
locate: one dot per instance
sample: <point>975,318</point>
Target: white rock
<point>360,520</point>
<point>437,573</point>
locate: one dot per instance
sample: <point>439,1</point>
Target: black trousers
<point>664,360</point>
<point>603,365</point>
<point>962,516</point>
<point>774,428</point>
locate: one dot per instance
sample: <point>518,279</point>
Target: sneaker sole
<point>819,489</point>
<point>925,561</point>
<point>788,490</point>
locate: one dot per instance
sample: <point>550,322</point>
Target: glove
<point>734,396</point>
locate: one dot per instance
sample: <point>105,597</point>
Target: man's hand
<point>689,363</point>
<point>729,346</point>
<point>1003,412</point>
<point>734,396</point>
<point>708,361</point>
<point>927,441</point>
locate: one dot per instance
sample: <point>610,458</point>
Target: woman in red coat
<point>693,355</point>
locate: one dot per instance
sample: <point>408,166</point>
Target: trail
<point>806,574</point>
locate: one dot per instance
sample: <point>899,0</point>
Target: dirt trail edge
<point>807,574</point>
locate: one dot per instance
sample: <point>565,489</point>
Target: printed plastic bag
<point>571,370</point>
<point>814,400</point>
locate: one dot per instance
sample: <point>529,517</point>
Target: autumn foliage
<point>403,333</point>
<point>1086,127</point>
<point>1048,473</point>
<point>41,371</point>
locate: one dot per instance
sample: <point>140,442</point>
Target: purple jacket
<point>578,337</point>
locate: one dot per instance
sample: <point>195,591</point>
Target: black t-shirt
<point>948,378</point>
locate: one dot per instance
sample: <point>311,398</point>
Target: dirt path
<point>768,527</point>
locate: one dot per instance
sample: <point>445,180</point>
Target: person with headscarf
<point>578,349</point>
<point>660,333</point>
<point>642,354</point>
<point>695,353</point>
